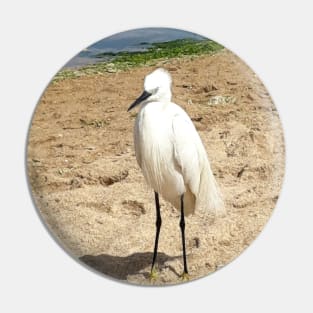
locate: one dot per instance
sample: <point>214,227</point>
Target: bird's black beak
<point>143,97</point>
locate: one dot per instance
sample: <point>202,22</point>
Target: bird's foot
<point>153,275</point>
<point>185,276</point>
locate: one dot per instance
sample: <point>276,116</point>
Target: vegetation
<point>149,57</point>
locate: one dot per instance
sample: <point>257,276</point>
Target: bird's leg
<point>185,275</point>
<point>158,224</point>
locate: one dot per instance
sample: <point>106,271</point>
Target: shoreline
<point>158,52</point>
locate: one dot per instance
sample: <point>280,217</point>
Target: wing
<point>192,159</point>
<point>188,150</point>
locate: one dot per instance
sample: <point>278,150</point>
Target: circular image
<point>155,156</point>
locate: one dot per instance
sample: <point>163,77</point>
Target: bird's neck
<point>155,106</point>
<point>166,96</point>
<point>163,96</point>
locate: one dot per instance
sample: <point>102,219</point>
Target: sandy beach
<point>92,195</point>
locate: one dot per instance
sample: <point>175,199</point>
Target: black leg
<point>158,227</point>
<point>182,227</point>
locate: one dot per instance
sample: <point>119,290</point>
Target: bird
<point>172,157</point>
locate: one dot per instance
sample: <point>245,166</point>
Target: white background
<point>274,38</point>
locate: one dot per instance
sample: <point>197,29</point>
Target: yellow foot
<point>185,276</point>
<point>153,275</point>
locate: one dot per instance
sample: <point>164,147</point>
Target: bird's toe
<point>153,274</point>
<point>185,276</point>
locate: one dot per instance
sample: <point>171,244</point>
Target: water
<point>132,40</point>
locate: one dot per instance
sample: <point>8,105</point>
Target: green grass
<point>158,51</point>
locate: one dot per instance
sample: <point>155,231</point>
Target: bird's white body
<point>170,152</point>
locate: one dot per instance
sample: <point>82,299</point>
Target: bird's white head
<point>159,83</point>
<point>157,87</point>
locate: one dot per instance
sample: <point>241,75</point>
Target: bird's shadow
<point>120,267</point>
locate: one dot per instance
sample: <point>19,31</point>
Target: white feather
<point>170,152</point>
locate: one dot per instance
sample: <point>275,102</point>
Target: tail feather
<point>209,195</point>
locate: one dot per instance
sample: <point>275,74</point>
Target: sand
<point>92,195</point>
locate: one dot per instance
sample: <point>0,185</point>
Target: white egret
<point>172,157</point>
